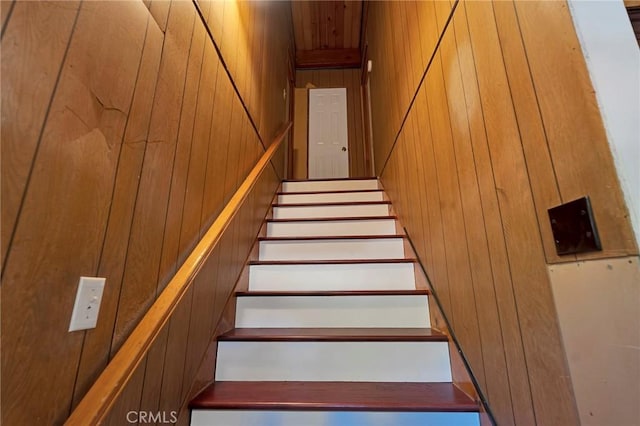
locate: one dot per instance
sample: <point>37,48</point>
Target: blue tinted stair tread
<point>335,396</point>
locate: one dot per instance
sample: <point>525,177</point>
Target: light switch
<point>87,306</point>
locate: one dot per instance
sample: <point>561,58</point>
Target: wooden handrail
<point>96,404</point>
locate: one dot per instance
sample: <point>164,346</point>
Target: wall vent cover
<point>574,227</point>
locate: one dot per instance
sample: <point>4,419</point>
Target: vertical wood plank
<point>439,275</point>
<point>497,382</point>
<point>145,240</point>
<point>84,129</point>
<point>217,155</point>
<point>339,24</point>
<point>571,115</point>
<point>97,343</point>
<point>153,373</point>
<point>172,251</point>
<point>201,317</point>
<point>193,200</point>
<point>233,152</point>
<point>174,361</point>
<point>546,364</point>
<point>539,163</point>
<point>215,19</point>
<point>355,29</point>
<point>229,44</point>
<point>34,45</point>
<point>160,11</point>
<point>6,7</point>
<point>307,28</point>
<point>462,295</point>
<point>514,352</point>
<point>129,400</point>
<point>299,29</point>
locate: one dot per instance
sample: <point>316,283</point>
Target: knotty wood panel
<point>349,78</point>
<point>118,158</point>
<point>334,24</point>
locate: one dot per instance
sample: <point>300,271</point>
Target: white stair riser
<point>330,418</point>
<point>333,361</point>
<point>333,311</point>
<point>328,277</point>
<point>332,228</point>
<point>382,248</point>
<point>332,197</point>
<point>309,212</point>
<point>330,185</point>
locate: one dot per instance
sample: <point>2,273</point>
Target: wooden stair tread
<point>329,179</point>
<point>337,191</point>
<point>330,262</point>
<point>412,292</point>
<point>334,237</point>
<point>330,204</point>
<point>329,219</point>
<point>335,396</point>
<point>335,334</point>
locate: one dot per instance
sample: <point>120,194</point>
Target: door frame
<point>367,126</point>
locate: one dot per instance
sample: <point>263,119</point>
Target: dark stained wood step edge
<point>335,219</point>
<point>335,237</point>
<point>411,292</point>
<point>332,204</point>
<point>330,262</point>
<point>337,191</point>
<point>328,179</point>
<point>334,335</point>
<point>335,396</point>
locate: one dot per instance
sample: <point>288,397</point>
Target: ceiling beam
<point>328,58</point>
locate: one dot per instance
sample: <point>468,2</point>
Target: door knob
<point>344,149</point>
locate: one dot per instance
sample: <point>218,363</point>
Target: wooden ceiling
<point>327,33</point>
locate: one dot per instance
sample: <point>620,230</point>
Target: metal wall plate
<point>574,228</point>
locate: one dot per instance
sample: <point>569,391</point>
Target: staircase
<point>332,329</point>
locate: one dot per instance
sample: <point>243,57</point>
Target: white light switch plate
<point>87,306</point>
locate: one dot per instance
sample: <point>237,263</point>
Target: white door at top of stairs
<point>328,140</point>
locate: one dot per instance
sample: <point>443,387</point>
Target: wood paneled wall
<point>504,126</point>
<point>349,78</point>
<point>256,41</point>
<point>122,139</point>
<point>401,38</point>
